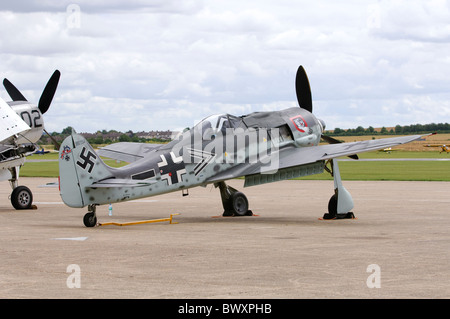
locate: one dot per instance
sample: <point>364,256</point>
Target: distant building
<point>162,135</point>
<point>112,136</point>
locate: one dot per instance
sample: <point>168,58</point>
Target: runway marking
<point>135,201</point>
<point>72,238</point>
<point>49,203</point>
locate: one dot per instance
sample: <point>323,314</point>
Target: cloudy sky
<point>165,64</point>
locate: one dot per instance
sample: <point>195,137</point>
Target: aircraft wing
<point>127,151</point>
<point>292,157</point>
<point>10,122</point>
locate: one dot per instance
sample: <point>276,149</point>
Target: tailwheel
<point>22,198</point>
<point>90,219</point>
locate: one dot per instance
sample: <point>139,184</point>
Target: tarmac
<point>397,247</point>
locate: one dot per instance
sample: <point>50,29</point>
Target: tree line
<point>397,130</point>
<point>103,137</point>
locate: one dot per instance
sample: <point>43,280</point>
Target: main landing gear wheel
<point>22,198</point>
<point>239,204</point>
<point>332,210</point>
<point>341,200</point>
<point>234,203</point>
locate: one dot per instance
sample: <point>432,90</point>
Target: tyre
<point>90,220</point>
<point>239,204</point>
<point>332,207</point>
<point>21,197</point>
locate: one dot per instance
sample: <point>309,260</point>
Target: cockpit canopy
<point>218,123</point>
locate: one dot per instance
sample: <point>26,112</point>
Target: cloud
<point>130,65</point>
<point>417,21</point>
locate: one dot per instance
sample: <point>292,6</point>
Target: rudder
<point>79,167</point>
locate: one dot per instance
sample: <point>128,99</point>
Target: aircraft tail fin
<point>79,167</point>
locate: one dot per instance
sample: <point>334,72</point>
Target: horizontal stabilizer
<point>127,151</point>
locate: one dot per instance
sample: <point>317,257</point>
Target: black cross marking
<point>171,168</point>
<point>87,160</point>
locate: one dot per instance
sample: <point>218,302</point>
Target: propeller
<point>46,96</point>
<point>303,91</point>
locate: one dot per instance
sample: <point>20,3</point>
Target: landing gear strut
<point>341,202</point>
<point>234,202</point>
<point>90,219</point>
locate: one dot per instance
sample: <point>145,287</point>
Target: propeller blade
<point>49,92</point>
<point>303,89</point>
<point>57,146</point>
<point>13,92</point>
<point>331,140</point>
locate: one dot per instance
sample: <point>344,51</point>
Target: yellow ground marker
<point>142,221</point>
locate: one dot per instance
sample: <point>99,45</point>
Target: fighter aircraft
<point>387,150</point>
<point>444,148</point>
<point>41,152</point>
<point>21,126</point>
<point>262,147</point>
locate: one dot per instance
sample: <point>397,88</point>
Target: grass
<point>390,171</point>
<point>49,166</point>
<point>350,170</point>
<point>404,154</point>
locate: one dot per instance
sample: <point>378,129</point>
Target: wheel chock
<point>327,216</point>
<point>142,221</point>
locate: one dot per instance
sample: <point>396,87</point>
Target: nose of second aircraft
<point>322,124</point>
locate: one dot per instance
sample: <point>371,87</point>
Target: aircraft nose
<point>322,124</point>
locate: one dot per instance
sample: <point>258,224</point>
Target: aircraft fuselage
<point>217,144</point>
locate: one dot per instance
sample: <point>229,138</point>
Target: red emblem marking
<point>299,123</point>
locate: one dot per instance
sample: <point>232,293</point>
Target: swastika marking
<point>87,160</point>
